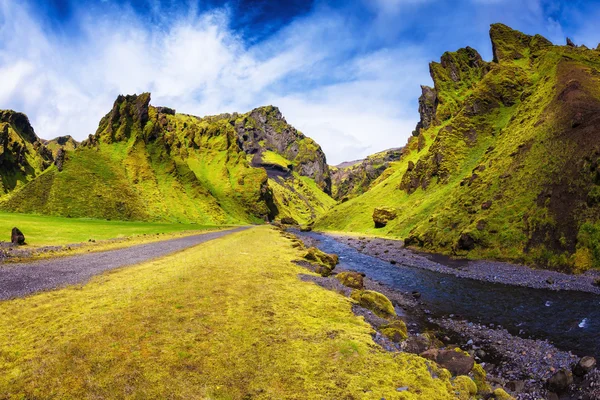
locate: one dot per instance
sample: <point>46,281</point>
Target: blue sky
<point>346,73</point>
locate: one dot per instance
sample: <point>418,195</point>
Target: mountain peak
<point>509,44</point>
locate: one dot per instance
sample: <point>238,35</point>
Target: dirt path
<point>18,280</point>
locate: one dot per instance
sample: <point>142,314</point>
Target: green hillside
<point>505,161</point>
<point>151,164</point>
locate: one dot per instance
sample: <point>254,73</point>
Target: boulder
<point>325,262</point>
<point>288,221</point>
<point>465,386</point>
<point>374,301</point>
<point>383,215</point>
<point>501,394</point>
<point>456,362</point>
<point>466,242</point>
<point>585,365</point>
<point>560,381</point>
<point>396,331</point>
<point>515,386</point>
<point>17,237</point>
<point>416,344</point>
<point>351,279</point>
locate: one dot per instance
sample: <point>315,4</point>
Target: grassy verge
<point>45,230</point>
<point>228,319</point>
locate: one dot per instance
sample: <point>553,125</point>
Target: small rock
<point>416,294</point>
<point>17,237</point>
<point>402,389</point>
<point>585,365</point>
<point>515,386</point>
<point>560,381</point>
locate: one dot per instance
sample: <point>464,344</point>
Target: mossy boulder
<point>383,215</point>
<point>396,331</point>
<point>351,279</point>
<point>325,262</point>
<point>480,379</point>
<point>500,394</point>
<point>374,301</point>
<point>465,387</point>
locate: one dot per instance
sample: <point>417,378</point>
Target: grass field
<point>45,230</point>
<point>228,319</point>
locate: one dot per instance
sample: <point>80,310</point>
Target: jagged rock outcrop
<point>428,103</point>
<point>265,129</point>
<point>354,178</point>
<point>66,143</point>
<point>22,155</point>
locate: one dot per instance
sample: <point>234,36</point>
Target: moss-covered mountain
<point>353,178</point>
<point>150,163</point>
<point>66,143</point>
<point>22,155</point>
<point>505,162</point>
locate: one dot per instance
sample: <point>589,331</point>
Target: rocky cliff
<point>503,163</point>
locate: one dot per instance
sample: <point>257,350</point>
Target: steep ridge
<point>504,162</point>
<point>22,155</point>
<point>354,178</point>
<point>150,163</point>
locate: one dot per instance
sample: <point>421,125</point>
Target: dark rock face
<point>428,102</point>
<point>60,159</point>
<point>165,110</point>
<point>570,43</point>
<point>265,128</point>
<point>21,124</point>
<point>383,215</point>
<point>17,237</point>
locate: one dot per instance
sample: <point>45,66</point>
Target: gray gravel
<point>22,279</point>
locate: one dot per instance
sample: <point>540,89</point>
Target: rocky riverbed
<point>521,365</point>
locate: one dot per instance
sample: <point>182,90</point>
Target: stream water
<point>568,319</point>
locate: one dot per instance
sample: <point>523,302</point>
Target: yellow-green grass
<point>228,319</point>
<point>42,230</point>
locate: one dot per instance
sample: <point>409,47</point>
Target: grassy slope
<point>44,231</point>
<point>517,153</point>
<point>209,322</point>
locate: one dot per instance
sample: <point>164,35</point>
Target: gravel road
<point>18,280</point>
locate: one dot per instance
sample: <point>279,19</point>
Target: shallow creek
<point>568,319</point>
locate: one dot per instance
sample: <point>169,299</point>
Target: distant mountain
<point>505,160</point>
<point>353,178</point>
<point>150,163</point>
<point>65,142</point>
